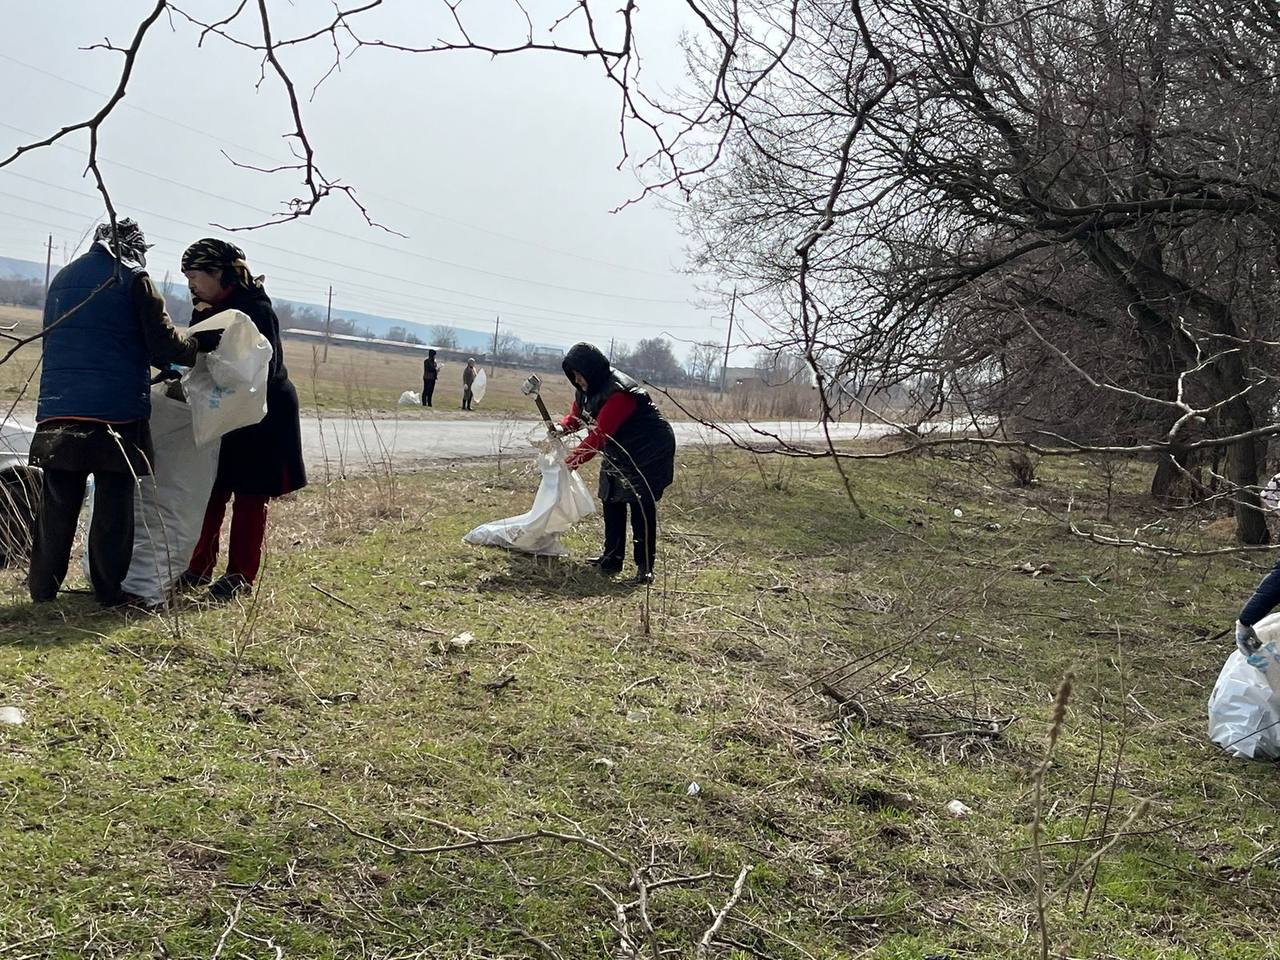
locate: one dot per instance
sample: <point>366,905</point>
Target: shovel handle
<point>546,414</point>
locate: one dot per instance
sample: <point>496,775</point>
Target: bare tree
<point>444,337</point>
<point>1013,207</point>
<point>705,360</point>
<point>510,347</point>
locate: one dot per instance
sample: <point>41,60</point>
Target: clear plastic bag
<point>227,388</point>
<point>1244,708</point>
<point>410,399</point>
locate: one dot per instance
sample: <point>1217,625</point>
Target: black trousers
<point>110,533</point>
<point>466,397</point>
<point>428,389</point>
<point>644,531</point>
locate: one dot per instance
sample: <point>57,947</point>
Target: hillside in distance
<point>378,325</point>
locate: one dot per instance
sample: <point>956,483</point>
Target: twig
<point>478,842</point>
<point>232,919</point>
<point>704,945</point>
<point>639,683</point>
<point>1037,823</point>
<point>336,599</point>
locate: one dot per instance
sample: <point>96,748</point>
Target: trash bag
<point>410,399</point>
<point>478,387</point>
<point>168,507</point>
<point>1244,708</point>
<point>562,500</point>
<point>227,388</point>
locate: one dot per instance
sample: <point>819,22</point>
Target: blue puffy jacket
<point>95,363</point>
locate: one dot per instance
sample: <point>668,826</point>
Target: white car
<point>15,444</point>
<point>19,491</point>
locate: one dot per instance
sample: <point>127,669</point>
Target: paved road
<point>357,445</point>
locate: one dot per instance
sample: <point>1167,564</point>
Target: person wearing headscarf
<point>105,326</point>
<point>256,463</point>
<point>468,378</point>
<point>430,373</point>
<point>638,448</point>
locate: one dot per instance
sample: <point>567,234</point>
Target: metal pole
<point>728,338</point>
<point>328,325</point>
<point>48,263</point>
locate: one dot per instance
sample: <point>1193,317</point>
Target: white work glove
<point>1249,644</point>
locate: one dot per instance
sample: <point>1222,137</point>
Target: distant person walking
<point>639,450</point>
<point>256,463</point>
<point>430,373</point>
<point>468,378</point>
<point>105,326</point>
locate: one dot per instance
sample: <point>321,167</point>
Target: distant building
<point>378,343</point>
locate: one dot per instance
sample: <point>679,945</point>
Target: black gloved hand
<point>207,340</point>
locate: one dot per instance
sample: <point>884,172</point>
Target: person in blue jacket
<point>105,326</point>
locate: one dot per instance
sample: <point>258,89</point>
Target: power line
<point>335,263</point>
<point>380,291</point>
<point>348,237</point>
<point>397,201</point>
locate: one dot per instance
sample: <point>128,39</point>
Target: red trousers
<point>248,530</point>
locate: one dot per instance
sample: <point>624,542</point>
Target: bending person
<point>639,450</point>
<point>256,463</point>
<point>105,325</point>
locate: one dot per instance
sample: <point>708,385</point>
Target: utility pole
<point>611,349</point>
<point>728,338</point>
<point>496,322</point>
<point>48,264</point>
<point>328,325</point>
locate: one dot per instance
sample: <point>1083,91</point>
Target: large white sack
<point>410,399</point>
<point>227,388</point>
<point>1244,708</point>
<point>169,506</point>
<point>562,500</point>
<point>479,386</point>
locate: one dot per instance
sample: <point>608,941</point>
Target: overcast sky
<point>500,172</point>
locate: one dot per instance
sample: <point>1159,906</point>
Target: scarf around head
<point>127,242</point>
<point>214,255</point>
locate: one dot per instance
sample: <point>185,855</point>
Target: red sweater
<point>615,410</point>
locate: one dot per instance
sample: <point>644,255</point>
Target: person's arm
<point>572,420</point>
<point>164,344</point>
<point>1264,599</point>
<point>612,415</point>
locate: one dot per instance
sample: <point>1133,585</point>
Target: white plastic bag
<point>410,399</point>
<point>169,506</point>
<point>562,500</point>
<point>1244,708</point>
<point>227,388</point>
<point>478,387</point>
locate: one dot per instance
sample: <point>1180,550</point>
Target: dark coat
<point>94,364</point>
<point>639,459</point>
<point>264,459</point>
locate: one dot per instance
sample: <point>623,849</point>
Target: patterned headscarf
<point>216,255</point>
<point>128,242</point>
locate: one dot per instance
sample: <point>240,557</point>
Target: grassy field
<point>362,382</point>
<point>305,776</point>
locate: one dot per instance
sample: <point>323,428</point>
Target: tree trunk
<point>1242,470</point>
<point>1170,479</point>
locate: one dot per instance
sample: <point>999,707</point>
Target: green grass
<point>159,787</point>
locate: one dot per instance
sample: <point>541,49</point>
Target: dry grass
<point>362,381</point>
<point>156,800</point>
